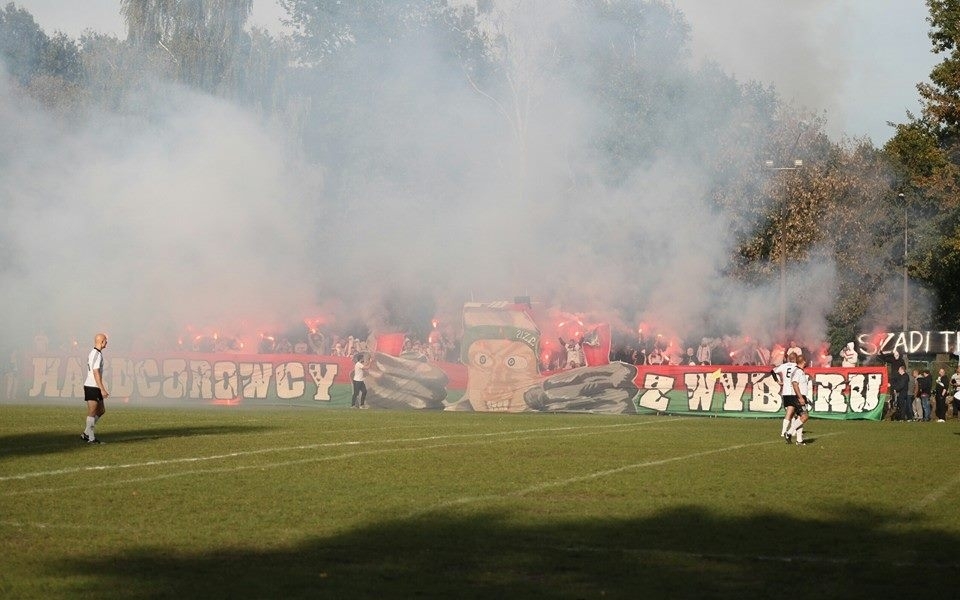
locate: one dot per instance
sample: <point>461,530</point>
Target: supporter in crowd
<point>317,342</point>
<point>848,356</point>
<point>762,354</point>
<point>954,392</point>
<point>914,396</point>
<point>41,343</point>
<point>924,387</point>
<point>575,357</point>
<point>825,359</point>
<point>941,392</point>
<point>776,355</point>
<point>704,352</point>
<point>794,349</point>
<point>900,394</point>
<point>656,357</point>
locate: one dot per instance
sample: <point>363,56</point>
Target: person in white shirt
<point>784,373</point>
<point>94,390</point>
<point>800,382</point>
<point>848,356</point>
<point>360,365</point>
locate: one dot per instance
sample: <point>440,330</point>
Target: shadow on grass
<point>50,442</point>
<point>684,552</point>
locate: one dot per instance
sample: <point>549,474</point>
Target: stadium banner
<point>753,391</point>
<point>228,379</point>
<point>400,383</point>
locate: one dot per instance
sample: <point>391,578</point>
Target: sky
<point>855,61</point>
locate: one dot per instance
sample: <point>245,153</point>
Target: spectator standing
<point>941,390</point>
<point>900,386</point>
<point>794,349</point>
<point>955,391</point>
<point>924,387</point>
<point>848,356</point>
<point>360,365</point>
<point>913,397</point>
<point>703,352</point>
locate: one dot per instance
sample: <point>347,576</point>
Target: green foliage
<point>201,38</point>
<point>22,43</point>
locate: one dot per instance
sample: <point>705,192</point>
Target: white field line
<point>160,436</point>
<point>935,495</point>
<point>196,459</point>
<point>586,477</point>
<point>288,463</point>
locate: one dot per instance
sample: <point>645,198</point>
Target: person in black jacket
<point>900,386</point>
<point>941,392</point>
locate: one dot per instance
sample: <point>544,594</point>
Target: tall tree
<point>202,38</point>
<point>22,43</point>
<point>926,150</point>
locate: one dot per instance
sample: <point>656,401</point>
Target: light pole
<point>797,164</point>
<point>905,279</point>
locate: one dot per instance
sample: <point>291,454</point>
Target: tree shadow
<point>51,442</point>
<point>680,552</point>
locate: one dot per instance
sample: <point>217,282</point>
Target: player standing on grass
<point>800,382</point>
<point>784,372</point>
<point>94,392</point>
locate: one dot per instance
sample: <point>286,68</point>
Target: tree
<point>926,152</point>
<point>22,43</point>
<point>202,38</point>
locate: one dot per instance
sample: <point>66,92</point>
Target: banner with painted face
<point>499,377</point>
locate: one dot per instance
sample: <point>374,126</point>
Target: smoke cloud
<point>186,211</point>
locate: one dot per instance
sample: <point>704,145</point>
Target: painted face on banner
<point>498,373</point>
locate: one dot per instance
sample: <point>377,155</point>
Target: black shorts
<point>92,394</point>
<point>792,401</point>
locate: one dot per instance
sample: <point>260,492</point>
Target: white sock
<point>800,434</point>
<point>91,421</point>
<point>783,429</point>
<point>795,424</point>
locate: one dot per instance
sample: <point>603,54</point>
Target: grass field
<point>303,503</point>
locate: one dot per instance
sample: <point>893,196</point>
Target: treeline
<point>372,90</point>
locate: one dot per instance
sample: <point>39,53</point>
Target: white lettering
<point>658,387</point>
<point>290,380</point>
<point>46,377</point>
<point>256,379</point>
<point>323,375</point>
<point>766,393</point>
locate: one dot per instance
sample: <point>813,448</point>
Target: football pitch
<point>297,502</point>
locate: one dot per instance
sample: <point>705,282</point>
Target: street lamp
<point>797,164</point>
<point>905,287</point>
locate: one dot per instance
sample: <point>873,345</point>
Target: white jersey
<point>94,363</point>
<point>802,380</point>
<point>785,372</point>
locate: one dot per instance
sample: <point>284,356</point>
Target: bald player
<point>94,390</point>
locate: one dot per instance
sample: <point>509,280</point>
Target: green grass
<point>303,503</point>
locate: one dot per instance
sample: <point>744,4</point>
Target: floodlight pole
<point>905,275</point>
<point>797,164</point>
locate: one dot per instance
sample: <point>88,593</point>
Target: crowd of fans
<point>443,345</point>
<point>725,350</point>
